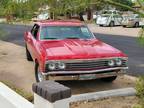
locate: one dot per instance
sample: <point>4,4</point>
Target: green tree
<point>25,10</point>
<point>10,9</point>
<point>125,2</point>
<point>3,4</point>
<point>116,4</point>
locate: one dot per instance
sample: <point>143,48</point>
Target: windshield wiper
<point>50,38</point>
<point>72,38</point>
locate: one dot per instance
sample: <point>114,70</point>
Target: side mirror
<point>36,35</point>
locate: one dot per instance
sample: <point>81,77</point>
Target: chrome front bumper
<point>85,75</point>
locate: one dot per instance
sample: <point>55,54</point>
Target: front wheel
<point>111,24</point>
<point>38,75</point>
<point>109,79</point>
<point>28,55</point>
<point>124,26</point>
<point>136,24</point>
<point>101,25</point>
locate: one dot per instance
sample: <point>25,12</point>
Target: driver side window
<point>35,30</point>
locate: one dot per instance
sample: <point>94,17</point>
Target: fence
<point>50,94</point>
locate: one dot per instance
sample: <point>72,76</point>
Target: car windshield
<point>130,16</point>
<point>107,12</point>
<point>65,32</point>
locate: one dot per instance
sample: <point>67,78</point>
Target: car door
<point>141,23</point>
<point>117,19</point>
<point>33,40</point>
<point>140,20</point>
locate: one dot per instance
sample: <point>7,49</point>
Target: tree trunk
<point>9,18</point>
<point>81,16</point>
<point>68,15</point>
<point>89,14</point>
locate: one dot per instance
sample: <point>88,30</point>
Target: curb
<point>103,94</point>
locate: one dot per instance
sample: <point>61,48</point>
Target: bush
<point>137,106</point>
<point>141,36</point>
<point>140,90</point>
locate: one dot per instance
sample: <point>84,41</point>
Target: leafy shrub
<point>141,36</point>
<point>137,106</point>
<point>140,90</point>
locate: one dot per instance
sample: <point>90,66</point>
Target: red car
<point>67,50</point>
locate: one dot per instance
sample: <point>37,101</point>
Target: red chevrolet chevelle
<point>67,50</point>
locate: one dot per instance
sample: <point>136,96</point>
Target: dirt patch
<point>133,32</point>
<point>97,85</point>
<point>13,66</point>
<point>115,102</point>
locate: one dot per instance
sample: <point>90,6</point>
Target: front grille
<point>86,65</point>
<point>90,65</point>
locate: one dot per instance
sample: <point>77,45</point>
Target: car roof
<point>59,23</point>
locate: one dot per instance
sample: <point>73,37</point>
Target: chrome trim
<point>84,72</point>
<point>78,77</point>
<point>83,60</point>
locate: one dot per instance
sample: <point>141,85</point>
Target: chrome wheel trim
<point>40,76</point>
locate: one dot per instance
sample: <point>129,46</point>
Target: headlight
<point>61,65</point>
<point>52,66</point>
<point>111,63</point>
<point>118,62</point>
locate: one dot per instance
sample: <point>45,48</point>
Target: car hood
<point>79,49</point>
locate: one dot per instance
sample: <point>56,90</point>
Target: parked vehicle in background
<point>67,50</point>
<point>43,16</point>
<point>132,20</point>
<point>109,18</point>
<point>94,16</point>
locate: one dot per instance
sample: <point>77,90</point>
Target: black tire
<point>124,26</point>
<point>37,72</point>
<point>101,25</point>
<point>111,24</point>
<point>136,24</point>
<point>109,79</point>
<point>28,55</point>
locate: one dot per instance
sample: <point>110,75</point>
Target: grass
<point>141,37</point>
<point>140,90</point>
<point>21,92</point>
